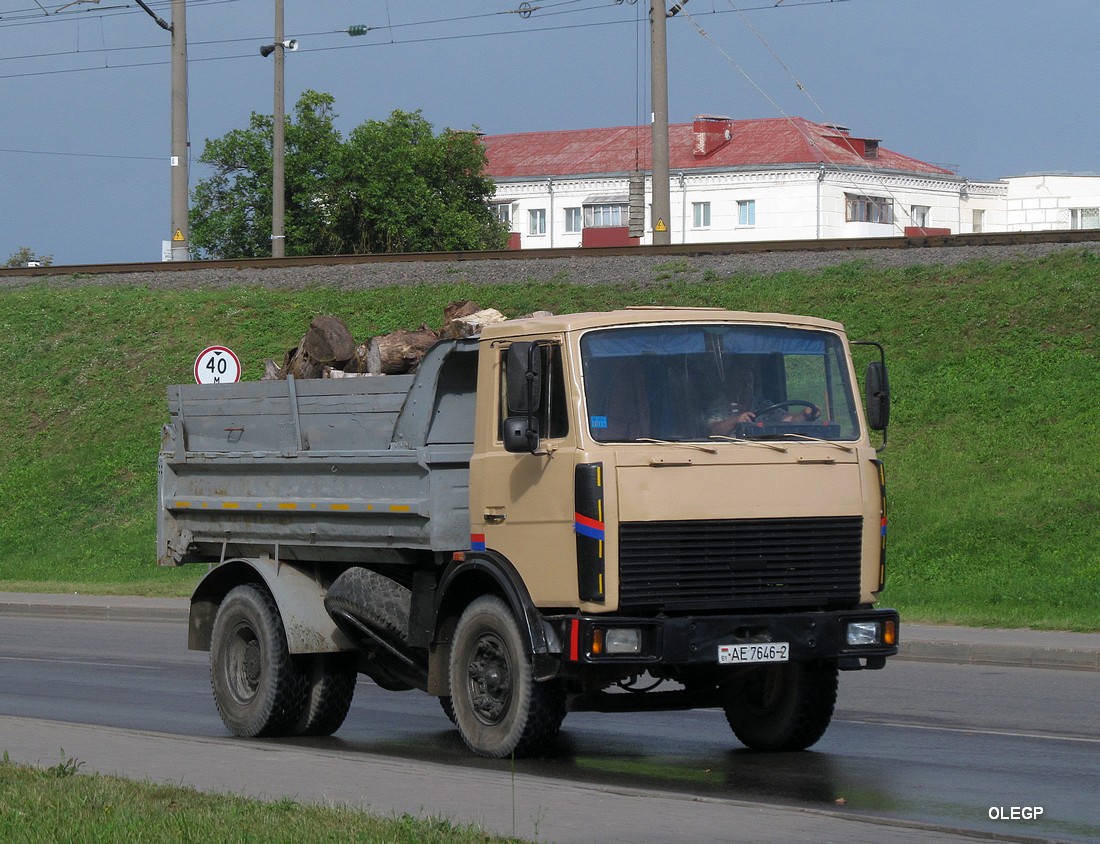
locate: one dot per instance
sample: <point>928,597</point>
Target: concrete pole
<point>278,145</point>
<point>658,53</point>
<point>180,146</point>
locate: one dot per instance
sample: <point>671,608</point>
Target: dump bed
<point>370,469</point>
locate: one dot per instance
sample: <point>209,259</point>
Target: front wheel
<point>499,708</point>
<point>781,707</point>
<point>258,688</point>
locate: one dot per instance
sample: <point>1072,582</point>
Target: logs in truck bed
<point>328,349</point>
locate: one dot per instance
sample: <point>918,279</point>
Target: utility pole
<point>180,157</point>
<point>658,58</point>
<point>180,153</point>
<point>278,145</point>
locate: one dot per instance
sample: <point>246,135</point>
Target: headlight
<point>616,640</point>
<point>864,633</point>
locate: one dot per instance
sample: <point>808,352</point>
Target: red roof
<point>751,143</point>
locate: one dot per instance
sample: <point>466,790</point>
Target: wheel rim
<point>243,665</point>
<point>489,679</point>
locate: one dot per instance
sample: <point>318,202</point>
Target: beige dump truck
<point>651,508</point>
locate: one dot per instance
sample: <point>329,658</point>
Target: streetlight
<point>278,139</point>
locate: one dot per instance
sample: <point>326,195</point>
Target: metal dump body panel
<point>342,470</point>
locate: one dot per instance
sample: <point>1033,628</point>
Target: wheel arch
<point>298,592</point>
<point>487,574</point>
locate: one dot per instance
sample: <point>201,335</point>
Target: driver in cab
<point>723,417</point>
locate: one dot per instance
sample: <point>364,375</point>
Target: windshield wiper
<point>833,443</point>
<point>708,449</point>
<point>764,443</point>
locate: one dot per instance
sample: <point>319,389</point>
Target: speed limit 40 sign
<point>217,365</point>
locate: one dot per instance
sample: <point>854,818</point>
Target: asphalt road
<point>916,752</point>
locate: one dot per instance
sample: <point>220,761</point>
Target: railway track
<point>990,239</point>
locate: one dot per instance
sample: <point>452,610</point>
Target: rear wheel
<point>331,688</point>
<point>781,707</point>
<point>499,708</point>
<point>258,688</point>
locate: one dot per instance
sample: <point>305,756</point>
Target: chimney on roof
<point>711,134</point>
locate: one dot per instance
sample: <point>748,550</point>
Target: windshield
<point>709,382</point>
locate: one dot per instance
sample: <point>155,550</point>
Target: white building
<point>1052,201</point>
<point>772,179</point>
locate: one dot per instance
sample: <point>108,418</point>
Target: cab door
<point>522,500</point>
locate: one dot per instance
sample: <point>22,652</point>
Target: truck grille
<point>740,564</point>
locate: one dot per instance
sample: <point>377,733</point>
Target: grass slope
<point>992,463</point>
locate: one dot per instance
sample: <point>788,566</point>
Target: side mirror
<point>524,363</point>
<point>521,434</point>
<point>877,388</point>
<point>524,373</point>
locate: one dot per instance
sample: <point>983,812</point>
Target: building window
<point>503,212</point>
<point>700,215</point>
<point>978,221</point>
<point>868,209</point>
<point>1084,218</point>
<point>536,221</point>
<point>920,215</point>
<point>572,220</point>
<point>605,216</point>
<point>746,212</point>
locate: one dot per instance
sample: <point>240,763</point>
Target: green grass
<point>60,803</point>
<point>993,463</point>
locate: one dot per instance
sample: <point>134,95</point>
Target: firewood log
<point>328,341</point>
<point>399,351</point>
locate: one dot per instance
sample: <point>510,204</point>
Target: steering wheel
<point>814,413</point>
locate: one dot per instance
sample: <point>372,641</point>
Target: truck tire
<point>381,603</point>
<point>785,706</point>
<point>331,688</point>
<point>499,708</point>
<point>258,688</point>
<point>378,603</point>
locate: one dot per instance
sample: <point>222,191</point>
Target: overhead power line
<point>159,158</point>
<point>543,11</point>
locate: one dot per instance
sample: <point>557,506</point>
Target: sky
<point>988,88</point>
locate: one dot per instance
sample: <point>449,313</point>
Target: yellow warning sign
<point>660,227</point>
<point>178,235</point>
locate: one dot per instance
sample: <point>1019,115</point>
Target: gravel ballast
<point>640,270</point>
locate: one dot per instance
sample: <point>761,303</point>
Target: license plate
<point>763,652</point>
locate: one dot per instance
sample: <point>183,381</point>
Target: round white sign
<point>217,365</point>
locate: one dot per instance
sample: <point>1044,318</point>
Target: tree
<point>405,189</point>
<point>393,186</point>
<point>25,256</point>
<point>231,211</point>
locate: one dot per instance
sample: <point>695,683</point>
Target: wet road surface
<point>914,744</point>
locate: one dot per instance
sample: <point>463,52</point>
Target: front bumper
<point>694,641</point>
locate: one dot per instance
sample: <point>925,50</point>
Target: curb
<point>1020,648</point>
<point>112,608</point>
<point>919,642</point>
